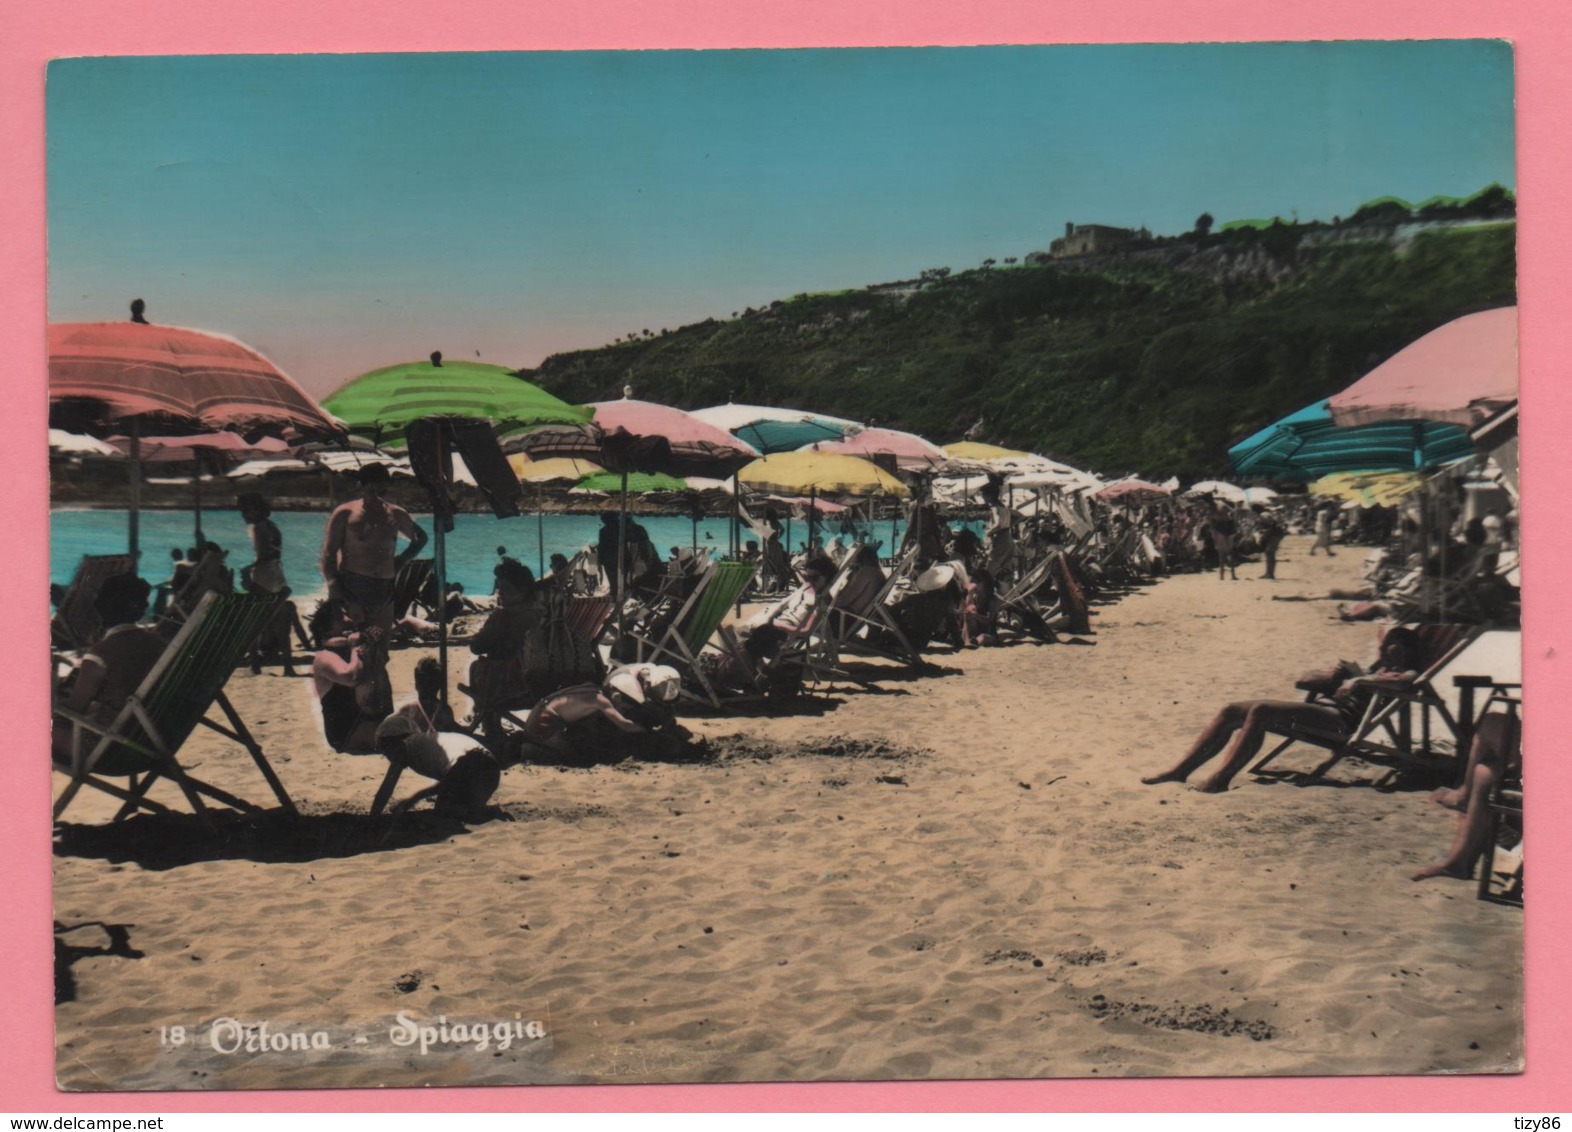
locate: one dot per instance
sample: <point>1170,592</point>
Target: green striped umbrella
<point>382,403</point>
<point>611,482</point>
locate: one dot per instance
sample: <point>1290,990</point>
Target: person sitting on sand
<point>428,709</point>
<point>496,676</point>
<point>116,665</point>
<point>1496,753</point>
<point>350,680</point>
<point>1242,727</point>
<point>465,772</point>
<point>979,611</point>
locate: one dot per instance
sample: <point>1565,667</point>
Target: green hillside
<point>1131,364</point>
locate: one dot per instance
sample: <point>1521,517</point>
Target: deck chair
<point>862,628</point>
<point>1385,735</point>
<point>685,636</point>
<point>75,623</point>
<point>408,585</point>
<point>1020,599</point>
<point>209,575</point>
<point>141,743</point>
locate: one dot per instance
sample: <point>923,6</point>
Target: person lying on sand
<point>1241,727</point>
<point>1496,753</point>
<point>549,728</point>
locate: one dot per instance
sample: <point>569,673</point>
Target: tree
<point>987,263</point>
<point>1203,224</point>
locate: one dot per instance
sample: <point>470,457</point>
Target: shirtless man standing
<point>358,562</point>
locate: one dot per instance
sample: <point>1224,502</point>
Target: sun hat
<point>640,682</point>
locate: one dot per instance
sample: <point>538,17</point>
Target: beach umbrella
<point>1125,491</point>
<point>1367,488</point>
<point>812,474</point>
<point>562,469</point>
<point>632,435</point>
<point>980,453</point>
<point>141,379</point>
<point>769,430</point>
<point>1230,493</point>
<point>1308,443</point>
<point>908,450</point>
<point>818,473</point>
<point>76,444</point>
<point>197,451</point>
<point>1460,373</point>
<point>640,483</point>
<point>382,405</point>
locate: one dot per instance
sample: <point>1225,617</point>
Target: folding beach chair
<point>869,627</point>
<point>143,739</point>
<point>75,622</point>
<point>409,586</point>
<point>684,637</point>
<point>1385,735</point>
<point>209,575</point>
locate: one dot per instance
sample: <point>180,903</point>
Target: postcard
<point>849,564</point>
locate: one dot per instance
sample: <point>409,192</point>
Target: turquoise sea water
<point>471,546</point>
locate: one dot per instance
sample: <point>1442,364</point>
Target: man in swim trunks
<point>358,562</point>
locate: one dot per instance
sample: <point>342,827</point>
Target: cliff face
<point>1154,359</point>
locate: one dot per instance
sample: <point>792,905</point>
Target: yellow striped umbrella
<point>563,468</point>
<point>806,472</point>
<point>1367,488</point>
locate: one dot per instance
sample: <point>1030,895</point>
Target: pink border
<point>35,30</point>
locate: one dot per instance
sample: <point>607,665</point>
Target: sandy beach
<point>959,876</point>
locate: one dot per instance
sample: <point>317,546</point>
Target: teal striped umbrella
<point>382,403</point>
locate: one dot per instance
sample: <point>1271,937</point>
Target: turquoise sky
<point>342,213</point>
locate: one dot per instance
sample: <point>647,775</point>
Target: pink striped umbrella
<point>139,378</point>
<point>1461,372</point>
<point>694,444</point>
<point>105,375</point>
<point>909,449</point>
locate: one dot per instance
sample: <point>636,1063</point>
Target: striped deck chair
<point>587,617</point>
<point>1385,735</point>
<point>412,578</point>
<point>1020,598</point>
<point>681,641</point>
<point>209,575</point>
<point>142,741</point>
<point>75,622</point>
<point>842,629</point>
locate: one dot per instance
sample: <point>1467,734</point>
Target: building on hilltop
<point>1089,239</point>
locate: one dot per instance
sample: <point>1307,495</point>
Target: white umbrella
<point>74,444</point>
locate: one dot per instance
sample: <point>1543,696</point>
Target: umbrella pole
<point>622,556</point>
<point>813,514</point>
<point>540,531</point>
<point>440,567</point>
<point>736,512</point>
<point>134,519</point>
<point>196,494</point>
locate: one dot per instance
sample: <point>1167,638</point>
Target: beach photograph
<point>793,565</point>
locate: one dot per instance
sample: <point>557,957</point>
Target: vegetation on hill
<point>1154,360</point>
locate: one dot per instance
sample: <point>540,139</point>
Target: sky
<point>345,212</point>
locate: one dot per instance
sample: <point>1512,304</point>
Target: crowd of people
<point>542,694</point>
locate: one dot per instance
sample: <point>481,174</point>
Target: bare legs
<point>1494,750</point>
<point>1237,733</point>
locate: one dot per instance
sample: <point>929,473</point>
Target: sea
<point>472,545</point>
